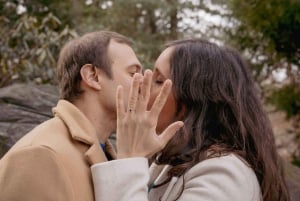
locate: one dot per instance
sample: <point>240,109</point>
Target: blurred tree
<point>30,40</point>
<point>268,31</point>
<point>288,97</point>
<point>150,24</point>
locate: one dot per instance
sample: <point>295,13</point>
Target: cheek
<point>168,112</point>
<point>125,81</point>
<point>153,95</point>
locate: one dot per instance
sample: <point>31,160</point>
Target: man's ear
<point>89,75</point>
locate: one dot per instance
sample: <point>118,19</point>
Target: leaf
<point>42,56</point>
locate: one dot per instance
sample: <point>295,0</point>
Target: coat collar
<point>158,173</point>
<point>81,129</point>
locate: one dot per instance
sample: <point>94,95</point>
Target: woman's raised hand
<point>136,135</point>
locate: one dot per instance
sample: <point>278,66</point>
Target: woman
<point>226,149</point>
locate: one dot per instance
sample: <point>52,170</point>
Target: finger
<point>120,102</point>
<point>161,99</point>
<point>169,132</point>
<point>145,91</point>
<point>134,92</point>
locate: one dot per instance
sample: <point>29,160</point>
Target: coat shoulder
<point>229,168</point>
<point>49,134</point>
<point>220,178</point>
<point>37,174</point>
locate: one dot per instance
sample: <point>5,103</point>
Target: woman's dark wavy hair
<point>222,114</point>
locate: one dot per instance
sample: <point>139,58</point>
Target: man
<point>52,162</point>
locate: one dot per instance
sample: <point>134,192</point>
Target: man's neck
<point>104,121</point>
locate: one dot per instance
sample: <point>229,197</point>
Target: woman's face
<point>161,72</point>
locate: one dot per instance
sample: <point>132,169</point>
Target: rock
<point>293,180</point>
<point>286,134</point>
<point>23,106</point>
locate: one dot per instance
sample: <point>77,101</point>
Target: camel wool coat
<point>52,162</point>
<point>224,178</point>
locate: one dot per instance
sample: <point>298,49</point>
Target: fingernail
<point>148,72</point>
<point>138,76</point>
<point>180,124</point>
<point>168,82</point>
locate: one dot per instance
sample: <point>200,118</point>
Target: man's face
<point>124,64</point>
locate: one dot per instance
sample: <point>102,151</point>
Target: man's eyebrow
<point>137,65</point>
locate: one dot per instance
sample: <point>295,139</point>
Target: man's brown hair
<point>90,48</point>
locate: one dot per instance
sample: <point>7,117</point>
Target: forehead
<point>162,63</point>
<point>122,55</point>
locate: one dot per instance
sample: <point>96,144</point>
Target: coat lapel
<point>82,130</point>
<point>158,173</point>
<point>95,154</point>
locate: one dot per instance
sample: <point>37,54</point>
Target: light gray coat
<point>225,178</point>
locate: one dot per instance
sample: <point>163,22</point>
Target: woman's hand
<point>136,135</point>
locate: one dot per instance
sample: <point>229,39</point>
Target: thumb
<point>169,132</point>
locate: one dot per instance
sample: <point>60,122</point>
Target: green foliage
<point>277,20</point>
<point>29,47</point>
<point>32,40</point>
<point>296,162</point>
<point>148,23</point>
<point>287,99</point>
<point>268,30</point>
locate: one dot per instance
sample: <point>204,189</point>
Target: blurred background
<point>266,32</point>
